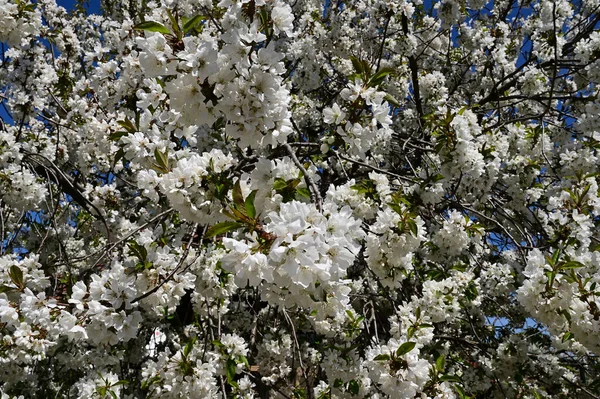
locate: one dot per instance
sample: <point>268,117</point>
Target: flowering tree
<point>308,199</point>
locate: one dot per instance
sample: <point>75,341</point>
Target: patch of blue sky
<point>91,6</point>
<point>502,322</point>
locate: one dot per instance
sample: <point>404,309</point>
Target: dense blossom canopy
<point>308,199</point>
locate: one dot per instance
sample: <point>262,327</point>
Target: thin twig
<point>580,387</point>
<point>183,258</point>
<point>315,195</point>
<point>376,169</point>
<point>110,247</point>
<point>69,187</point>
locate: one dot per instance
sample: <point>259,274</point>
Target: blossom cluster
<point>307,199</point>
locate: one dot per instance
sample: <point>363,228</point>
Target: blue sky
<point>92,6</point>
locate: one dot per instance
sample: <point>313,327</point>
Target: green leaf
<point>382,357</point>
<point>461,392</point>
<point>218,344</point>
<point>462,110</point>
<point>264,20</point>
<point>396,208</point>
<point>139,251</point>
<point>555,257</point>
<point>440,363</point>
<point>405,348</point>
<point>303,192</point>
<point>152,26</point>
<point>449,378</point>
<point>230,370</point>
<point>353,387</point>
<point>188,347</point>
<point>16,276</point>
<point>366,69</point>
<point>551,275</point>
<point>410,332</point>
<point>390,99</point>
<point>299,393</point>
<point>5,288</point>
<point>293,183</point>
<point>222,228</point>
<point>572,265</point>
<point>279,184</point>
<point>366,186</point>
<point>378,78</point>
<point>238,198</point>
<point>566,314</point>
<point>190,24</point>
<point>353,76</point>
<point>412,226</point>
<point>236,214</point>
<point>384,71</point>
<point>567,336</point>
<point>536,394</point>
<point>244,360</point>
<point>249,204</point>
<point>127,125</point>
<point>115,136</point>
<point>174,24</point>
<point>357,64</point>
<point>162,159</point>
<point>118,156</point>
<point>471,291</point>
